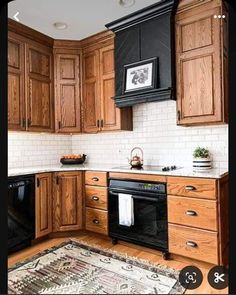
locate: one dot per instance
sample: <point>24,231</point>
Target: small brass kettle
<point>136,161</point>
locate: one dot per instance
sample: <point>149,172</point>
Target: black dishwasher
<point>21,212</point>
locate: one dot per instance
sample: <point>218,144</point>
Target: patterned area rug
<point>76,268</point>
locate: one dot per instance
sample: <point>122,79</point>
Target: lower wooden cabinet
<point>67,201</point>
<point>96,220</point>
<point>43,204</point>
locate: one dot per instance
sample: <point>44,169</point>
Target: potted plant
<point>201,159</point>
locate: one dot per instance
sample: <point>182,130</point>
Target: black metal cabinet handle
<point>38,182</point>
<point>191,213</point>
<point>59,124</point>
<point>191,244</point>
<point>102,124</point>
<point>98,123</point>
<point>95,179</point>
<point>95,221</point>
<point>95,198</point>
<point>190,188</point>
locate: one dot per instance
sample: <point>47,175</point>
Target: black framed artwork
<point>140,75</point>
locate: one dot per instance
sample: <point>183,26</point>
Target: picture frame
<point>140,75</point>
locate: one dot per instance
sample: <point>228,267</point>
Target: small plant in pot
<point>201,159</point>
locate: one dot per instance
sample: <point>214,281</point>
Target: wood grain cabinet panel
<point>192,187</point>
<point>67,93</point>
<point>200,38</point>
<point>194,243</point>
<point>16,97</point>
<point>43,204</point>
<point>39,86</point>
<point>96,197</point>
<point>192,212</point>
<point>97,220</point>
<point>91,93</point>
<point>67,202</point>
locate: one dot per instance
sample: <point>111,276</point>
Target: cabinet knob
<point>191,213</point>
<point>190,188</point>
<point>96,221</point>
<point>95,198</point>
<point>95,179</point>
<point>191,244</point>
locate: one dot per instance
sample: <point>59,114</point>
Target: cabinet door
<point>110,115</point>
<point>67,90</point>
<point>91,93</point>
<point>39,79</point>
<point>16,101</point>
<point>199,67</point>
<point>67,201</point>
<point>43,204</point>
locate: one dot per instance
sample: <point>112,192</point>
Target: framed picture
<point>140,75</point>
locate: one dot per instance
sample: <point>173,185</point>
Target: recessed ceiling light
<point>60,25</point>
<point>126,3</point>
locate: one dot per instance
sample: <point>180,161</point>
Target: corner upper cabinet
<point>16,72</point>
<point>201,63</point>
<point>67,92</point>
<point>39,88</point>
<point>99,110</point>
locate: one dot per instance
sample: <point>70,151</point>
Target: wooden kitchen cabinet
<point>201,63</point>
<point>67,201</point>
<point>67,92</point>
<point>39,88</point>
<point>43,204</point>
<point>99,110</point>
<point>16,94</point>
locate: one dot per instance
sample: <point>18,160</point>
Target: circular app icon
<point>190,277</point>
<point>218,277</point>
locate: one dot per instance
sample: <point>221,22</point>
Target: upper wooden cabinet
<point>99,110</point>
<point>67,202</point>
<point>30,95</point>
<point>39,87</point>
<point>201,63</point>
<point>67,91</point>
<point>16,73</point>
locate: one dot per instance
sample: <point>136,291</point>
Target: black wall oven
<point>21,212</point>
<point>149,227</point>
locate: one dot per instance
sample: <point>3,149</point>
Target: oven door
<point>150,220</point>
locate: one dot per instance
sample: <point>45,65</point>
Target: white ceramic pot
<point>201,164</point>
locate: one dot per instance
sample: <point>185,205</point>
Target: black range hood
<point>140,36</point>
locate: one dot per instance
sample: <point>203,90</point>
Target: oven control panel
<point>154,187</point>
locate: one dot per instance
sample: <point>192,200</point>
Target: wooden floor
<point>132,250</point>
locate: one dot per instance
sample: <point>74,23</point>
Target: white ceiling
<point>84,17</point>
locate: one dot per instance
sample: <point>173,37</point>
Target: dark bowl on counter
<point>73,161</point>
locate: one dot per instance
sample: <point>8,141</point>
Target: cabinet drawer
<point>96,197</point>
<point>193,243</point>
<point>97,220</point>
<point>192,187</point>
<point>96,178</point>
<point>192,212</point>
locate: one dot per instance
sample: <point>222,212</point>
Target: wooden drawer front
<point>96,197</point>
<point>97,220</point>
<point>96,178</point>
<point>192,187</point>
<point>192,212</point>
<point>194,243</point>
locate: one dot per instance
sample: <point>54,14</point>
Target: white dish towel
<point>126,210</point>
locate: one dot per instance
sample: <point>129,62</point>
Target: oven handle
<point>138,197</point>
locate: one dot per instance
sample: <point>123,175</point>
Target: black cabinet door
<point>156,41</point>
<point>127,50</point>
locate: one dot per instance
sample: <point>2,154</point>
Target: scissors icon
<point>218,277</point>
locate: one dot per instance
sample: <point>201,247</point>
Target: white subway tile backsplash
<point>155,131</point>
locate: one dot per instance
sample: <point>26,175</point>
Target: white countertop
<point>185,171</point>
